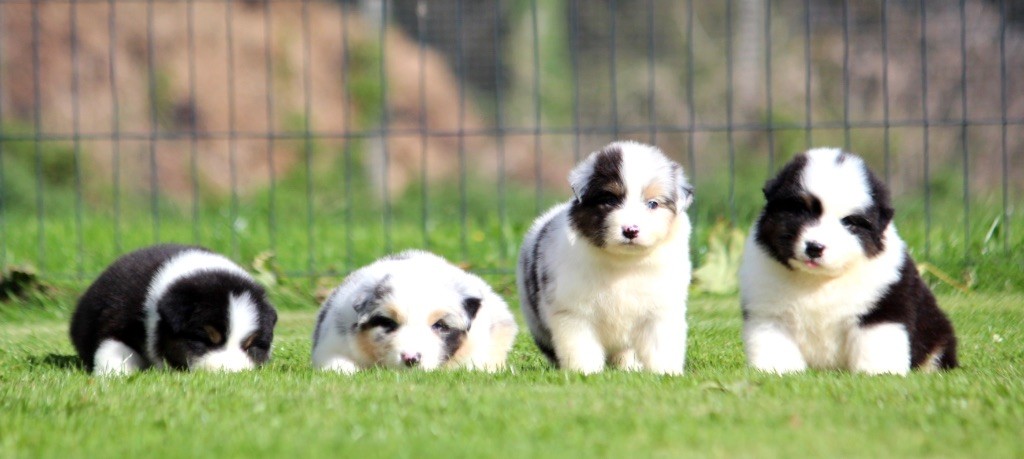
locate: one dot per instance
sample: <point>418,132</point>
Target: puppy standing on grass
<point>827,283</point>
<point>412,310</point>
<point>603,278</point>
<point>185,306</point>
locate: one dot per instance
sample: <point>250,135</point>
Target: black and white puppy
<point>603,278</point>
<point>827,283</point>
<point>184,306</point>
<point>412,310</point>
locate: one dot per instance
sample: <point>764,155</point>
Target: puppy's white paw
<point>339,365</point>
<point>880,349</point>
<point>771,350</point>
<point>115,358</point>
<point>584,362</point>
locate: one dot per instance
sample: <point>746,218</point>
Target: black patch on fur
<point>204,300</point>
<point>788,209</point>
<point>536,278</point>
<point>908,301</point>
<point>605,191</point>
<point>378,321</point>
<point>452,338</point>
<point>370,300</point>
<point>452,342</point>
<point>472,306</point>
<point>112,308</point>
<point>548,352</point>
<point>319,323</point>
<point>869,225</point>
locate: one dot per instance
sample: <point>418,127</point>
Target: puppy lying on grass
<point>412,310</point>
<point>184,306</point>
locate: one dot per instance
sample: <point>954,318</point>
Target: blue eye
<point>441,327</point>
<point>652,204</point>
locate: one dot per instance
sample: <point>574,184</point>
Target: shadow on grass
<point>61,361</point>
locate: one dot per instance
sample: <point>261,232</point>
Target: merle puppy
<point>603,278</point>
<point>827,283</point>
<point>182,306</point>
<point>412,310</point>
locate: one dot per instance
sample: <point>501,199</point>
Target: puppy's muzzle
<point>411,359</point>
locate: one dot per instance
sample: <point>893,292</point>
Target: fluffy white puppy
<point>827,283</point>
<point>603,278</point>
<point>412,310</point>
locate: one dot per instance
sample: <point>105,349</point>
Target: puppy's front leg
<point>880,349</point>
<point>771,349</point>
<point>576,344</point>
<point>661,344</point>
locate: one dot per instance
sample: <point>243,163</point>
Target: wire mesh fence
<point>325,134</point>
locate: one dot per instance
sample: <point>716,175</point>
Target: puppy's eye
<point>213,335</point>
<point>652,204</point>
<point>386,324</point>
<point>793,205</point>
<point>249,342</point>
<point>855,222</point>
<point>604,198</point>
<point>441,327</point>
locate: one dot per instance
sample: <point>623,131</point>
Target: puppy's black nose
<point>411,359</point>
<point>814,249</point>
<point>630,231</point>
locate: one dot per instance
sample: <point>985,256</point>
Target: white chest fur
<point>618,297</point>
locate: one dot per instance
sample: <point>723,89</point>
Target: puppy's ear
<point>579,177</point>
<point>174,314</point>
<point>472,306</point>
<point>687,197</point>
<point>885,214</point>
<point>685,188</point>
<point>880,194</point>
<point>371,297</point>
<point>786,179</point>
<point>177,305</point>
<point>769,189</point>
<point>270,316</point>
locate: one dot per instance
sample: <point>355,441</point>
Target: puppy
<point>827,283</point>
<point>603,278</point>
<point>412,310</point>
<point>184,306</point>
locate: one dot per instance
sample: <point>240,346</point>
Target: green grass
<point>51,408</point>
